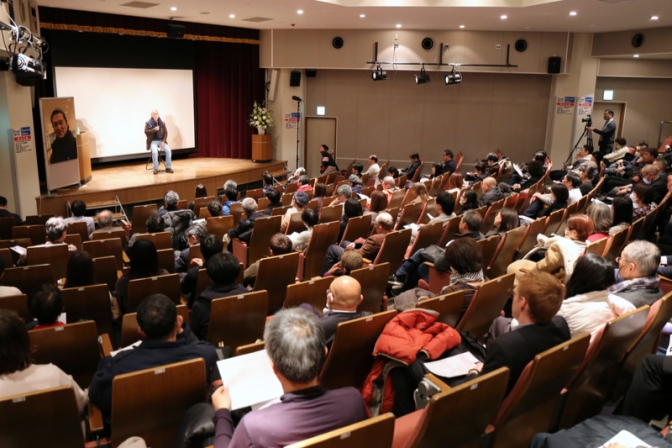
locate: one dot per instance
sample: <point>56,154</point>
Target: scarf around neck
<point>456,277</point>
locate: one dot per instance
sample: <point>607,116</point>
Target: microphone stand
<point>298,126</point>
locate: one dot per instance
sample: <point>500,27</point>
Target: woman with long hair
<point>505,220</point>
<point>144,263</point>
<point>469,201</point>
<point>600,214</point>
<point>455,182</point>
<point>621,210</point>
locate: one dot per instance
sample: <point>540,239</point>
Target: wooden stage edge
<point>133,184</point>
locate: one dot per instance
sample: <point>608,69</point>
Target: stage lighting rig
<point>453,77</point>
<point>379,74</point>
<point>423,77</point>
<point>25,53</point>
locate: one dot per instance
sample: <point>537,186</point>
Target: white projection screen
<point>113,105</point>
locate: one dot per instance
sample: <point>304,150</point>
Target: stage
<point>133,184</point>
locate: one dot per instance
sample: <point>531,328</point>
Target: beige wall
<point>648,102</point>
<point>635,68</point>
<point>656,40</point>
<point>396,117</point>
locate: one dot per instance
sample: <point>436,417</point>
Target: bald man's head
<point>346,294</point>
<point>489,183</point>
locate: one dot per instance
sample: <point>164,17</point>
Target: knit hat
<point>301,198</point>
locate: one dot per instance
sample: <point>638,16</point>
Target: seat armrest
<point>427,263</point>
<point>95,419</point>
<point>437,382</point>
<point>366,261</point>
<point>105,344</point>
<point>125,258</point>
<point>240,251</point>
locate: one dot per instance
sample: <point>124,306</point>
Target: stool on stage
<point>150,164</point>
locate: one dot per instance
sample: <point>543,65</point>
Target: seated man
<point>294,178</point>
<point>105,220</point>
<point>304,183</point>
<point>4,213</point>
<point>223,270</point>
<point>275,198</point>
<point>6,291</point>
<point>449,164</point>
<point>355,183</point>
<point>573,181</point>
<point>389,187</point>
<point>214,208</point>
<point>343,193</point>
<point>374,168</point>
<point>444,206</point>
<point>491,193</point>
<point>622,174</point>
<point>350,261</point>
<point>306,409</point>
<point>45,305</point>
<point>170,201</point>
<point>57,229</point>
<point>268,183</point>
<point>536,300</point>
<point>231,195</point>
<point>195,234</point>
<point>480,172</point>
<point>244,229</point>
<point>78,209</point>
<point>299,202</point>
<point>154,224</point>
<point>158,323</point>
<point>539,157</point>
<point>409,171</point>
<point>280,244</point>
<point>370,247</point>
<point>636,276</point>
<point>582,157</point>
<point>211,245</point>
<point>300,240</point>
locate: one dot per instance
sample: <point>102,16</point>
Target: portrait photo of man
<point>63,141</point>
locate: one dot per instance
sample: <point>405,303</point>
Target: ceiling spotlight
<point>654,17</point>
<point>379,74</point>
<point>232,16</point>
<point>453,77</point>
<point>300,11</point>
<point>398,25</point>
<point>361,16</point>
<point>635,55</point>
<point>422,78</point>
<point>503,17</point>
<point>572,13</point>
<point>461,26</point>
<point>173,8</point>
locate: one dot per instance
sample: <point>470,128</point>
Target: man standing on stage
<point>64,146</point>
<point>607,133</point>
<point>156,132</point>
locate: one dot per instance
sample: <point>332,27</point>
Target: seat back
<point>569,211</point>
<point>330,214</point>
<point>18,304</point>
<point>486,304</point>
<point>109,234</point>
<point>36,233</point>
<point>238,320</point>
<point>74,239</point>
<point>433,189</point>
<point>295,224</point>
<point>597,247</point>
<point>254,194</point>
<point>616,244</point>
<point>28,278</point>
<point>588,388</point>
<point>357,227</point>
<point>274,275</point>
<point>489,247</point>
<point>583,204</point>
<point>140,288</point>
<point>57,256</point>
<point>73,348</point>
<point>23,242</point>
<point>427,235</point>
<point>397,198</point>
<point>236,210</point>
<point>511,201</point>
<point>428,211</point>
<point>78,228</point>
<point>219,225</point>
<point>383,170</point>
<point>410,214</point>
<point>401,180</point>
<point>324,235</point>
<point>264,229</point>
<point>350,358</point>
<point>166,260</point>
<point>55,410</point>
<point>151,403</point>
<point>291,188</point>
<point>280,211</point>
<point>376,432</point>
<point>249,348</point>
<point>524,202</point>
<point>449,306</point>
<point>506,251</point>
<point>450,230</point>
<point>32,220</point>
<point>141,214</point>
<point>635,229</point>
<point>553,221</point>
<point>161,240</point>
<point>528,409</point>
<point>373,280</point>
<point>6,224</point>
<point>418,171</point>
<point>105,248</point>
<point>89,303</point>
<point>105,271</point>
<point>129,325</point>
<point>393,248</point>
<point>530,240</point>
<point>312,292</point>
<point>6,254</point>
<point>203,202</point>
<point>489,219</point>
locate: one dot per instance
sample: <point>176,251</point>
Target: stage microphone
<point>296,98</point>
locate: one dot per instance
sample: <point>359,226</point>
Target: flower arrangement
<point>261,118</point>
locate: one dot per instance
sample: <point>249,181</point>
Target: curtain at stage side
<point>228,81</point>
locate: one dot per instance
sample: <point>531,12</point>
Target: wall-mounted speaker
<point>520,45</point>
<point>175,31</point>
<point>295,78</point>
<point>554,63</point>
<point>337,42</point>
<point>638,40</point>
<point>427,43</point>
<point>273,84</point>
<point>311,73</point>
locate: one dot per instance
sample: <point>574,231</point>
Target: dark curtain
<point>228,81</point>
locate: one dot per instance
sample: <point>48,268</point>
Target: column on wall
<point>284,140</point>
<point>19,180</point>
<point>564,130</point>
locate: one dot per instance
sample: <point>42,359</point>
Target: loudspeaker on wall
<point>175,31</point>
<point>311,73</point>
<point>273,84</point>
<point>554,63</point>
<point>295,78</point>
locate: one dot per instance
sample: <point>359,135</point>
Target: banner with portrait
<point>59,134</point>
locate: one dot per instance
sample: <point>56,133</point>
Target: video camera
<point>588,120</point>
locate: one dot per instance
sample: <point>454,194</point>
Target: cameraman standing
<point>607,133</point>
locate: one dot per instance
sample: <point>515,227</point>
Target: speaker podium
<point>84,156</point>
<point>262,148</point>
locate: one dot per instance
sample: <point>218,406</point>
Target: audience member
<point>319,193</point>
<point>244,229</point>
<point>211,245</point>
<point>343,193</point>
<point>506,219</point>
<point>170,201</point>
<point>299,202</point>
<point>195,234</point>
<point>449,164</point>
<point>355,183</point>
<point>589,304</point>
<point>649,395</point>
<point>295,343</point>
<point>214,208</point>
<point>600,214</point>
<point>642,201</point>
<point>57,229</point>
<point>573,181</point>
<point>455,183</point>
<point>535,171</point>
<point>417,193</point>
<point>621,149</point>
<point>620,175</point>
<point>621,210</point>
<point>78,209</point>
<point>6,291</point>
<point>294,178</point>
<point>223,270</point>
<point>275,198</point>
<point>80,273</point>
<point>469,201</point>
<point>491,193</point>
<point>350,261</point>
<point>374,168</point>
<point>558,199</point>
<point>393,171</point>
<point>105,220</point>
<point>437,169</point>
<point>231,198</point>
<point>464,259</point>
<point>582,157</point>
<point>586,175</point>
<point>4,213</point>
<point>328,164</point>
<point>304,183</point>
<point>280,244</point>
<point>357,169</point>
<point>154,224</point>
<point>351,209</point>
<point>492,164</point>
<point>376,204</point>
<point>144,263</point>
<point>480,172</point>
<point>46,305</point>
<point>159,324</point>
<point>651,177</point>
<point>637,281</point>
<point>409,171</point>
<point>300,240</point>
<point>444,207</point>
<point>267,179</point>
<point>505,189</point>
<point>201,192</point>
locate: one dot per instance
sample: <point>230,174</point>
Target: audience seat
<point>236,210</point>
<point>295,224</point>
<point>635,230</point>
<point>141,214</point>
<point>330,214</point>
<point>312,292</point>
<point>23,242</point>
<point>449,306</point>
<point>450,230</point>
<point>569,211</point>
<point>596,247</point>
<point>486,304</point>
<point>109,234</point>
<point>397,198</point>
<point>616,244</point>
<point>151,403</point>
<point>553,222</point>
<point>512,201</point>
<point>219,225</point>
<point>373,280</point>
<point>350,359</point>
<point>280,211</point>
<point>6,224</point>
<point>410,214</point>
<point>161,240</point>
<point>6,254</point>
<point>166,259</point>
<point>264,229</point>
<point>358,227</point>
<point>105,271</point>
<point>455,417</point>
<point>28,278</point>
<point>129,326</point>
<point>36,220</point>
<point>427,211</point>
<point>506,252</point>
<point>274,275</point>
<point>18,304</point>
<point>140,288</point>
<point>524,199</point>
<point>535,228</point>
<point>237,320</point>
<point>89,303</point>
<point>36,233</point>
<point>312,259</point>
<point>375,432</point>
<point>105,248</point>
<point>393,249</point>
<point>491,214</point>
<point>427,235</point>
<point>202,202</point>
<point>488,248</point>
<point>437,279</point>
<point>78,228</point>
<point>57,256</point>
<point>75,240</point>
<point>249,348</point>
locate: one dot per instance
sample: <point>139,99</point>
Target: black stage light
<point>453,77</point>
<point>379,74</point>
<point>422,78</point>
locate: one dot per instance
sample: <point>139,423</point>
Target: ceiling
<point>534,15</point>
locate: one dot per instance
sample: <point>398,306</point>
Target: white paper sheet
<point>412,225</point>
<point>626,439</point>
<point>129,347</point>
<point>19,250</point>
<point>453,366</point>
<point>517,168</point>
<point>250,379</point>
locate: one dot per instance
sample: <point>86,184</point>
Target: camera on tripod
<point>588,120</point>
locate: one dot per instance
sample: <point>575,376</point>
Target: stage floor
<point>132,183</point>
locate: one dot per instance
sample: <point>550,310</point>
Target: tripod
<point>589,136</point>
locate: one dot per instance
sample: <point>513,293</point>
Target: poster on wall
<point>565,105</point>
<point>292,120</point>
<point>585,106</point>
<point>60,141</point>
<point>22,139</point>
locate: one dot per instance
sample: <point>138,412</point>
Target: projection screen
<point>113,105</point>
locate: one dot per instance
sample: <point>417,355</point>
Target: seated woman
<point>557,200</point>
<point>45,305</point>
<point>351,209</point>
<point>464,259</point>
<point>480,173</point>
<point>469,201</point>
<point>642,201</point>
<point>561,252</point>
<point>621,210</point>
<point>377,204</point>
<point>201,192</point>
<point>417,193</point>
<point>536,172</point>
<point>56,229</point>
<point>505,220</point>
<point>589,304</point>
<point>144,263</point>
<point>17,374</point>
<point>355,183</point>
<point>320,191</point>
<point>80,273</point>
<point>300,240</point>
<point>600,214</point>
<point>455,183</point>
<point>437,170</point>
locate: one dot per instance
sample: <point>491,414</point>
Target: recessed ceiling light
<point>635,55</point>
<point>173,8</point>
<point>361,16</point>
<point>503,17</point>
<point>205,12</point>
<point>398,25</point>
<point>232,16</point>
<point>654,17</point>
<point>461,26</point>
<point>572,13</point>
<point>300,11</point>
